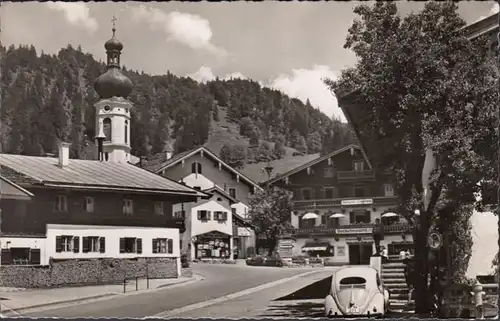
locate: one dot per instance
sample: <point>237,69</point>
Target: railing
<point>337,202</point>
<point>355,175</point>
<point>344,229</point>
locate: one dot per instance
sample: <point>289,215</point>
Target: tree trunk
<point>422,266</point>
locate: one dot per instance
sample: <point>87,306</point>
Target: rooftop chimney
<point>168,154</point>
<point>64,154</point>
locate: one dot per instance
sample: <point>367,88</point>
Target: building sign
<point>340,250</point>
<point>243,231</point>
<point>354,230</point>
<point>367,201</point>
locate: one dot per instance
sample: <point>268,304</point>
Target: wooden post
<point>124,285</point>
<point>136,283</point>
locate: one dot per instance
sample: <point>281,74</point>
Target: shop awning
<point>314,247</point>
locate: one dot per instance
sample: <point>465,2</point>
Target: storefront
<point>321,249</point>
<point>212,245</point>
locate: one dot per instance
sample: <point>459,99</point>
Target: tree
<point>254,138</point>
<point>415,74</point>
<point>314,142</point>
<point>233,155</point>
<point>270,211</point>
<point>279,147</point>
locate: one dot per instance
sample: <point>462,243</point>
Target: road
<point>220,280</point>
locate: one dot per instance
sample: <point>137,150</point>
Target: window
<point>357,217</point>
<point>196,168</point>
<point>89,204</point>
<point>128,207</point>
<point>204,215</point>
<point>359,166</point>
<point>66,243</point>
<point>306,194</point>
<point>93,244</point>
<point>232,192</point>
<point>130,245</point>
<point>163,246</point>
<point>329,192</point>
<point>198,188</point>
<point>106,124</point>
<point>388,190</point>
<point>359,191</point>
<point>328,172</point>
<point>324,218</point>
<point>126,131</point>
<point>159,208</point>
<point>233,210</point>
<point>180,214</point>
<point>60,203</point>
<point>220,216</point>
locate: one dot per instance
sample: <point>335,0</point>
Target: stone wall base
<point>86,272</point>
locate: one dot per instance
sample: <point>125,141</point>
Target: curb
<point>19,311</point>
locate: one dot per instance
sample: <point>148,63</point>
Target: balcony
<point>345,202</point>
<point>349,176</point>
<point>350,229</point>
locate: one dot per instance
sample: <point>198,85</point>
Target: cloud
<point>189,29</point>
<point>308,84</point>
<point>205,74</point>
<point>76,13</point>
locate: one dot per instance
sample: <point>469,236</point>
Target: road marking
<point>204,304</point>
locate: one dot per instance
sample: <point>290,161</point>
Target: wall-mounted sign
<point>243,231</point>
<point>354,230</point>
<point>367,201</point>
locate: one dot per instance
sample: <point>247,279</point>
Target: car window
<point>352,280</point>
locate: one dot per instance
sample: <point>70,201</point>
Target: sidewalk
<point>15,301</point>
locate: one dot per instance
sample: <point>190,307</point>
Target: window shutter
<point>85,244</point>
<point>209,215</point>
<point>193,168</point>
<point>155,246</point>
<point>199,215</point>
<point>122,245</point>
<point>199,168</point>
<point>102,244</point>
<point>367,216</point>
<point>170,246</point>
<point>351,217</point>
<point>225,216</point>
<point>35,256</point>
<point>58,244</point>
<point>6,257</point>
<point>138,244</point>
<point>76,244</point>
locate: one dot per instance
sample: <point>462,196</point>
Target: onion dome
<point>113,43</point>
<point>113,84</point>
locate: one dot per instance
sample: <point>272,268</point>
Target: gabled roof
<point>481,27</point>
<point>88,174</point>
<point>319,160</point>
<point>10,190</point>
<point>219,190</point>
<point>184,155</point>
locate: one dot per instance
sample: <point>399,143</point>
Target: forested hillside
<point>49,98</point>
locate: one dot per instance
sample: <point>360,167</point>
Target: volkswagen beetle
<point>356,291</point>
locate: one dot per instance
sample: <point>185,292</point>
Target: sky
<point>290,46</point>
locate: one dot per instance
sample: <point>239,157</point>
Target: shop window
<point>220,216</point>
<point>94,244</point>
<point>128,207</point>
<point>89,204</point>
<point>66,243</point>
<point>130,245</point>
<point>20,256</point>
<point>196,168</point>
<point>60,203</point>
<point>232,192</point>
<point>159,208</point>
<point>204,215</point>
<point>180,214</point>
<point>163,246</point>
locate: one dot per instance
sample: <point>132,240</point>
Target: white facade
<point>198,180</point>
<point>241,209</point>
<point>26,242</point>
<point>116,112</point>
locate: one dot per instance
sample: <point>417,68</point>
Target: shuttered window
<point>130,245</point>
<point>35,256</point>
<point>66,243</point>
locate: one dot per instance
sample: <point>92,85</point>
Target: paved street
<point>220,280</point>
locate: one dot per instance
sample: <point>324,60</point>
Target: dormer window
<point>196,168</point>
<point>359,166</point>
<point>106,124</point>
<point>128,207</point>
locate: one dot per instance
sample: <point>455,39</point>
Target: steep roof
<point>217,189</point>
<point>88,174</point>
<point>317,161</point>
<point>10,190</point>
<point>280,166</point>
<point>158,165</point>
<point>481,27</point>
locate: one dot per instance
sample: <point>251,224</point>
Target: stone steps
<point>393,280</point>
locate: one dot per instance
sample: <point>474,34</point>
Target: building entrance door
<point>360,253</point>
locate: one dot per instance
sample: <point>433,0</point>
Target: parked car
<point>356,291</point>
<point>256,260</point>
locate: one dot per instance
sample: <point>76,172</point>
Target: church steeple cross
<point>113,20</point>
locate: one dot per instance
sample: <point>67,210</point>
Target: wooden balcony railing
<point>337,202</point>
<point>350,229</point>
<point>355,175</point>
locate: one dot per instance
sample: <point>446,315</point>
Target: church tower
<point>113,107</point>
